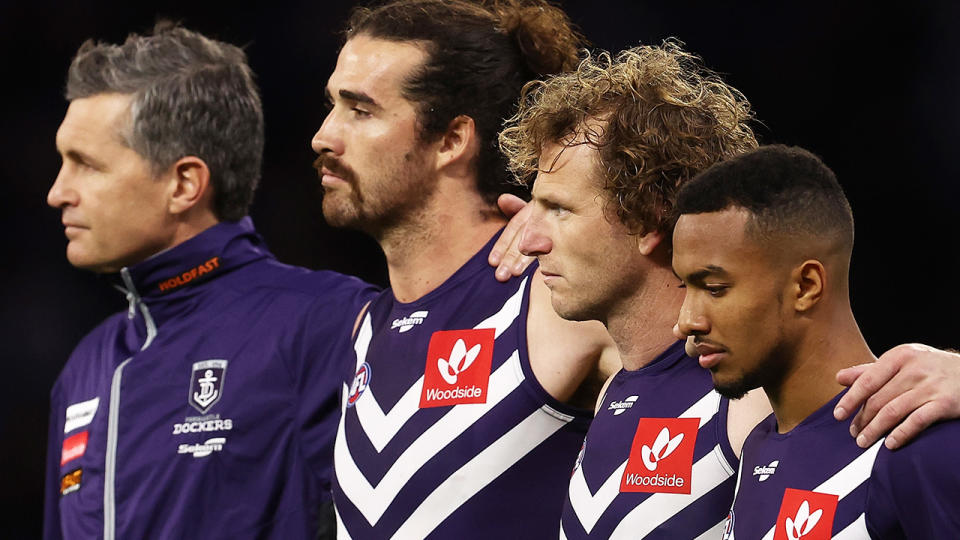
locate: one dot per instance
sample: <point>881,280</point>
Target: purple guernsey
<point>446,433</point>
<point>814,482</point>
<point>208,409</point>
<point>644,473</point>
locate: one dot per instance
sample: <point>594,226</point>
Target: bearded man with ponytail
<point>467,399</point>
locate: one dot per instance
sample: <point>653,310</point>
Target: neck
<point>640,339</point>
<point>827,346</point>
<point>432,243</point>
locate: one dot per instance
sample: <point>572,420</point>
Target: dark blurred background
<point>874,91</point>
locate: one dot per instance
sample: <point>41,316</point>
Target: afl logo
<point>576,465</point>
<point>728,526</point>
<point>360,383</point>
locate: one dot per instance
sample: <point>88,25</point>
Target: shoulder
<point>274,278</point>
<point>103,335</point>
<point>924,456</point>
<point>914,489</point>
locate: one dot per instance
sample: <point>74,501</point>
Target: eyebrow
<point>80,157</point>
<point>700,275</point>
<point>350,95</point>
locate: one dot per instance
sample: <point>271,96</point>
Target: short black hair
<point>788,190</point>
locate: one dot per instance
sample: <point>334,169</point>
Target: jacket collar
<point>213,252</point>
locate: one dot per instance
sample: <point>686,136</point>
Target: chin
<point>574,312</point>
<point>736,388</point>
<point>339,213</point>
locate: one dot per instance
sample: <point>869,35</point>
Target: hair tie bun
<point>544,34</point>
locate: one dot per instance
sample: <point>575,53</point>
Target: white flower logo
<point>662,447</point>
<point>803,523</point>
<point>460,360</point>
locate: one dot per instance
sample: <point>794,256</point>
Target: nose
<point>328,138</point>
<point>691,321</point>
<point>61,194</point>
<point>534,238</point>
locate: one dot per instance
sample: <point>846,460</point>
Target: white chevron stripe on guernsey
<point>589,508</point>
<point>713,532</point>
<point>660,507</point>
<point>363,340</point>
<point>480,471</point>
<point>502,319</point>
<point>373,501</point>
<point>342,533</point>
<point>846,479</point>
<point>380,428</point>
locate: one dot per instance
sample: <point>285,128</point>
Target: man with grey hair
<point>208,408</point>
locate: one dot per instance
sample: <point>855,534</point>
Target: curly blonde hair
<point>656,116</point>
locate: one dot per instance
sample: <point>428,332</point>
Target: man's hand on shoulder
<point>505,255</point>
<point>907,389</point>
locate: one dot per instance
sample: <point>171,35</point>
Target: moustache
<point>332,165</point>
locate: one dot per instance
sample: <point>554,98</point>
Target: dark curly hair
<point>656,115</point>
<point>480,54</point>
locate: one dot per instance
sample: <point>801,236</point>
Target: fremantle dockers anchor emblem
<point>206,384</point>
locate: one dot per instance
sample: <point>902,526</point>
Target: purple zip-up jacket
<point>209,408</point>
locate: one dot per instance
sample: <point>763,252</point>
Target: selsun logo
<point>203,449</point>
<point>767,471</point>
<point>661,456</point>
<point>806,514</point>
<point>619,406</point>
<point>190,275</point>
<point>458,367</point>
<point>406,323</point>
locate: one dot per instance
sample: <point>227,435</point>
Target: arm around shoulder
<point>570,359</point>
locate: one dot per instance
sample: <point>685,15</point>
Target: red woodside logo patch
<point>805,514</point>
<point>458,367</point>
<point>661,456</point>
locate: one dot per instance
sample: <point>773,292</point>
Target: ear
<point>648,242</point>
<point>191,178</point>
<point>810,281</point>
<point>459,143</point>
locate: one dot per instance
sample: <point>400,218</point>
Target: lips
<point>71,227</point>
<point>548,277</point>
<point>332,172</point>
<point>710,353</point>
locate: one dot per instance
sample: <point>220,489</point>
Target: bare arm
<point>744,415</point>
<point>907,389</point>
<point>571,360</point>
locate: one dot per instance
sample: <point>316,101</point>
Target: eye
<point>360,113</point>
<point>557,209</point>
<point>716,291</point>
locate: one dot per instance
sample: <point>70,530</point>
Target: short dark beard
<point>770,374</point>
<point>738,389</point>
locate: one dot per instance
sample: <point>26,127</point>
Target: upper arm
<point>914,490</point>
<point>743,415</point>
<point>570,359</point>
<point>603,391</point>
